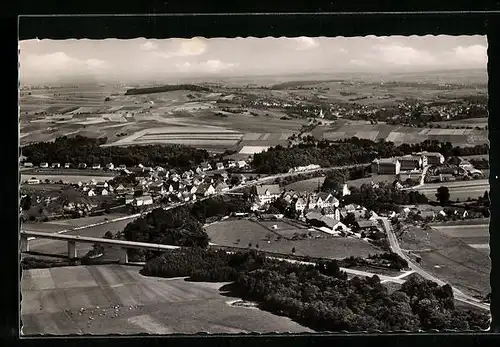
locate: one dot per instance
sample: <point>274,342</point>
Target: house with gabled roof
<point>219,166</point>
<point>221,187</point>
<point>157,188</point>
<point>205,189</point>
<point>267,192</point>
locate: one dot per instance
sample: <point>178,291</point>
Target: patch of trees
<point>217,207</point>
<point>26,202</point>
<point>481,164</point>
<point>39,263</point>
<point>389,260</point>
<point>320,296</point>
<point>384,198</point>
<point>176,227</point>
<point>347,152</point>
<point>167,88</point>
<point>80,149</point>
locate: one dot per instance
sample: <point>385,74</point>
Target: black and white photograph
<point>254,185</point>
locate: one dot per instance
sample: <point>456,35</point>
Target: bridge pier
<point>25,247</point>
<point>123,256</point>
<point>72,250</point>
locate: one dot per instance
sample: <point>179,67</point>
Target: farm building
<point>367,225</point>
<point>67,165</point>
<point>129,199</point>
<point>241,164</point>
<point>56,165</point>
<point>411,162</point>
<point>386,166</point>
<point>82,166</point>
<point>27,164</point>
<point>219,166</point>
<point>267,192</point>
<point>326,224</point>
<point>110,166</point>
<point>433,158</point>
<point>44,165</point>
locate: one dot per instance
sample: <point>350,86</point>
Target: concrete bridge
<point>72,240</point>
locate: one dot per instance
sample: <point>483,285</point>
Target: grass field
<point>228,233</point>
<point>117,299</point>
<point>374,178</point>
<point>309,185</point>
<point>65,178</point>
<point>450,259</point>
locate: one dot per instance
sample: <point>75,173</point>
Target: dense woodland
<point>321,296</point>
<point>167,88</point>
<point>349,151</point>
<point>81,149</point>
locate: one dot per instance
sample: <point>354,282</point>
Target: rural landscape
<point>212,197</point>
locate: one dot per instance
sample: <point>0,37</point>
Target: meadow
<point>108,299</point>
<point>247,234</point>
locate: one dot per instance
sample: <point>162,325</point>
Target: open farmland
<point>450,259</point>
<point>374,178</point>
<point>100,299</point>
<point>401,134</point>
<point>461,190</point>
<point>476,234</point>
<point>241,233</point>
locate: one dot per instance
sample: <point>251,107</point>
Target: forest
<point>347,152</point>
<point>321,296</point>
<point>167,88</point>
<point>80,149</point>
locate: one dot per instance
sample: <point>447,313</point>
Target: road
<point>394,245</point>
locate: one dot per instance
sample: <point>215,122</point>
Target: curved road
<point>394,245</point>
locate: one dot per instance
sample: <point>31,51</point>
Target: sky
<point>59,61</point>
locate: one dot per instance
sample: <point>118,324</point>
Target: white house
<point>110,166</point>
<point>44,165</point>
<point>104,192</point>
<point>56,165</point>
<point>96,166</point>
<point>27,164</point>
<point>241,164</point>
<point>267,192</point>
<point>143,200</point>
<point>129,199</point>
<point>300,205</point>
<point>67,165</point>
<point>91,192</point>
<point>33,181</point>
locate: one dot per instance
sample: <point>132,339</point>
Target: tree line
<point>80,149</point>
<point>166,88</point>
<point>321,296</point>
<point>349,151</point>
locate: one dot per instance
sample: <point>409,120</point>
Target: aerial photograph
<point>254,185</point>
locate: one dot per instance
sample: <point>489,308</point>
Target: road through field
<point>394,245</point>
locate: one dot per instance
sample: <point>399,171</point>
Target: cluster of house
<point>447,172</point>
<point>304,168</point>
<point>410,162</point>
<point>153,183</point>
<point>321,210</point>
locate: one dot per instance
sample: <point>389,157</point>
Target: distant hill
<point>166,88</point>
